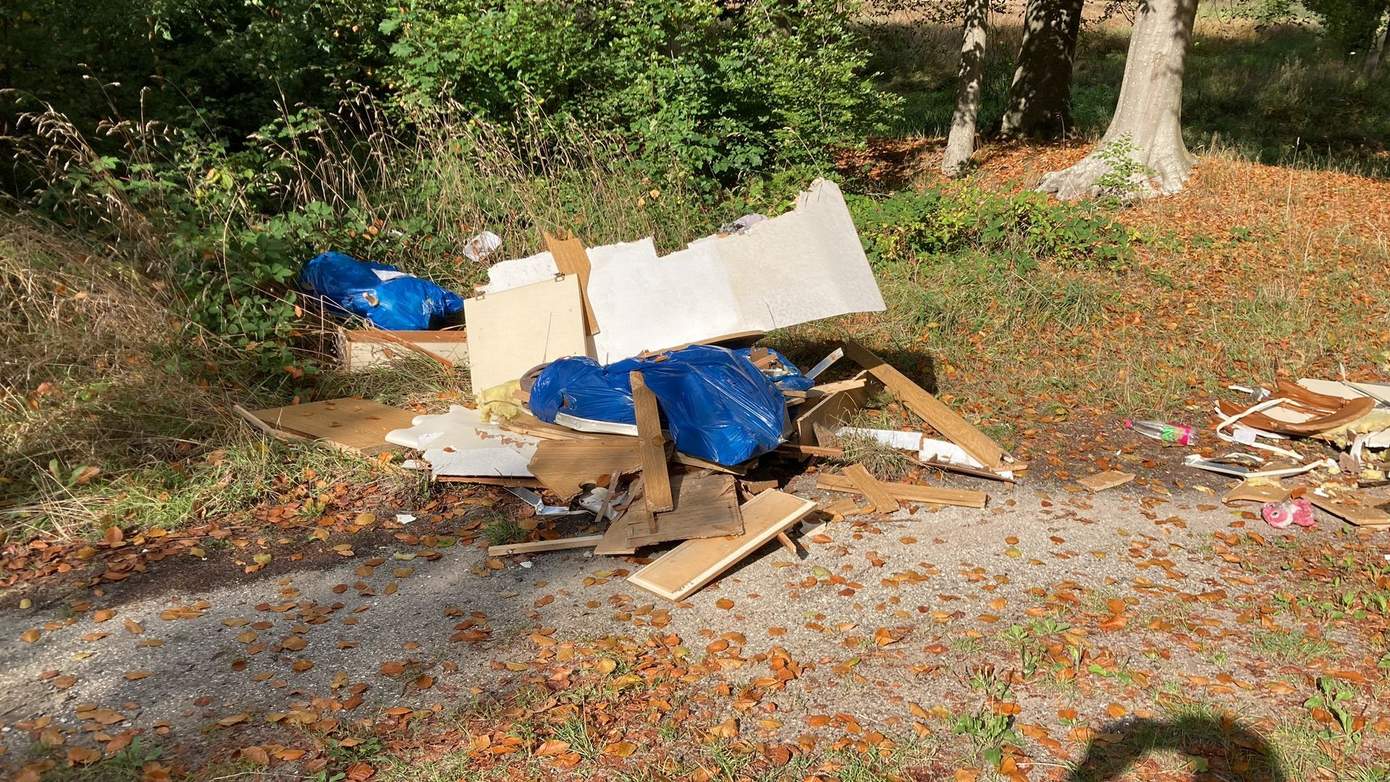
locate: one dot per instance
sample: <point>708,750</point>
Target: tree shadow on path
<point>1231,751</point>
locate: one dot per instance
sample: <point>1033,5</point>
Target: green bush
<point>1020,230</point>
<point>1352,24</point>
<point>717,90</point>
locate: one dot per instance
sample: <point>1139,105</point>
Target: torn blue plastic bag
<point>715,403</point>
<point>379,292</point>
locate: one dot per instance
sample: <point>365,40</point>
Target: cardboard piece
<point>686,568</point>
<point>459,444</point>
<point>515,330</point>
<point>1105,480</point>
<point>357,425</point>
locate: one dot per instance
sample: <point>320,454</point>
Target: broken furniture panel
<point>513,331</point>
<point>459,444</point>
<point>706,506</point>
<point>566,466</point>
<point>686,568</point>
<point>365,348</point>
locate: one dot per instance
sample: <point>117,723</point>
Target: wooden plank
<point>656,480</point>
<point>512,331</point>
<point>535,427</point>
<point>490,480</point>
<point>1260,491</point>
<point>571,258</point>
<point>615,541</point>
<point>1105,480</point>
<point>686,568</point>
<point>929,408</point>
<point>792,449</point>
<point>706,506</point>
<point>362,348</point>
<point>695,461</point>
<point>357,425</point>
<point>872,490</point>
<point>1352,511</point>
<point>560,544</point>
<point>831,411</point>
<point>910,492</point>
<point>826,389</point>
<point>564,466</point>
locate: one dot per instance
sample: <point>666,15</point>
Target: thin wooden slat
<point>830,410</point>
<point>561,544</point>
<point>571,258</point>
<point>686,568</point>
<point>908,492</point>
<point>929,408</point>
<point>656,478</point>
<point>872,490</point>
<point>357,425</point>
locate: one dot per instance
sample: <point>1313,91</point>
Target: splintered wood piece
<point>706,506</point>
<point>561,544</point>
<point>872,490</point>
<point>1352,511</point>
<point>788,544</point>
<point>1105,480</point>
<point>830,410</point>
<point>911,492</point>
<point>615,541</point>
<point>695,461</point>
<point>1258,490</point>
<point>528,424</point>
<point>655,477</point>
<point>565,466</point>
<point>686,568</point>
<point>357,425</point>
<point>942,418</point>
<point>571,258</point>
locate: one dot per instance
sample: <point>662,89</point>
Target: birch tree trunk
<point>1147,126</point>
<point>1039,102</point>
<point>960,143</point>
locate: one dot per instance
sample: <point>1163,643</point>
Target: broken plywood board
<point>565,466</point>
<point>656,478</point>
<point>872,490</point>
<point>459,444</point>
<point>1105,480</point>
<point>929,408</point>
<point>357,425</point>
<point>706,506</point>
<point>686,568</point>
<point>364,348</point>
<point>1259,490</point>
<point>1354,511</point>
<point>513,331</point>
<point>535,546</point>
<point>831,410</point>
<point>911,492</point>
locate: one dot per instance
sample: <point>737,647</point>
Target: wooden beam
<point>560,544</point>
<point>929,408</point>
<point>656,479</point>
<point>571,258</point>
<point>909,492</point>
<point>688,567</point>
<point>872,490</point>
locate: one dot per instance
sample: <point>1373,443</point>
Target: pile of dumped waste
<point>621,394</point>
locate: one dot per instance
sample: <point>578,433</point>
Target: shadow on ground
<point>1232,751</point>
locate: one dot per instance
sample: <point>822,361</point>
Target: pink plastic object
<point>1280,515</point>
<point>1164,432</point>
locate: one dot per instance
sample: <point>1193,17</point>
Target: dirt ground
<point>1145,632</point>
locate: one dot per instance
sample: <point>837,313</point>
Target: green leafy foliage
<point>1351,24</point>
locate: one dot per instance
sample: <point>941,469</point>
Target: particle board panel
<point>515,330</point>
<point>358,425</point>
<point>564,466</point>
<point>909,492</point>
<point>686,568</point>
<point>929,408</point>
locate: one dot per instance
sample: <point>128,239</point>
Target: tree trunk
<point>1377,52</point>
<point>1039,103</point>
<point>1143,148</point>
<point>960,144</point>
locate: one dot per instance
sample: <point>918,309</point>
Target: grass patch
<point>1291,646</point>
<point>501,529</point>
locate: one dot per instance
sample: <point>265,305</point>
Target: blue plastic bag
<point>381,293</point>
<point>716,404</point>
